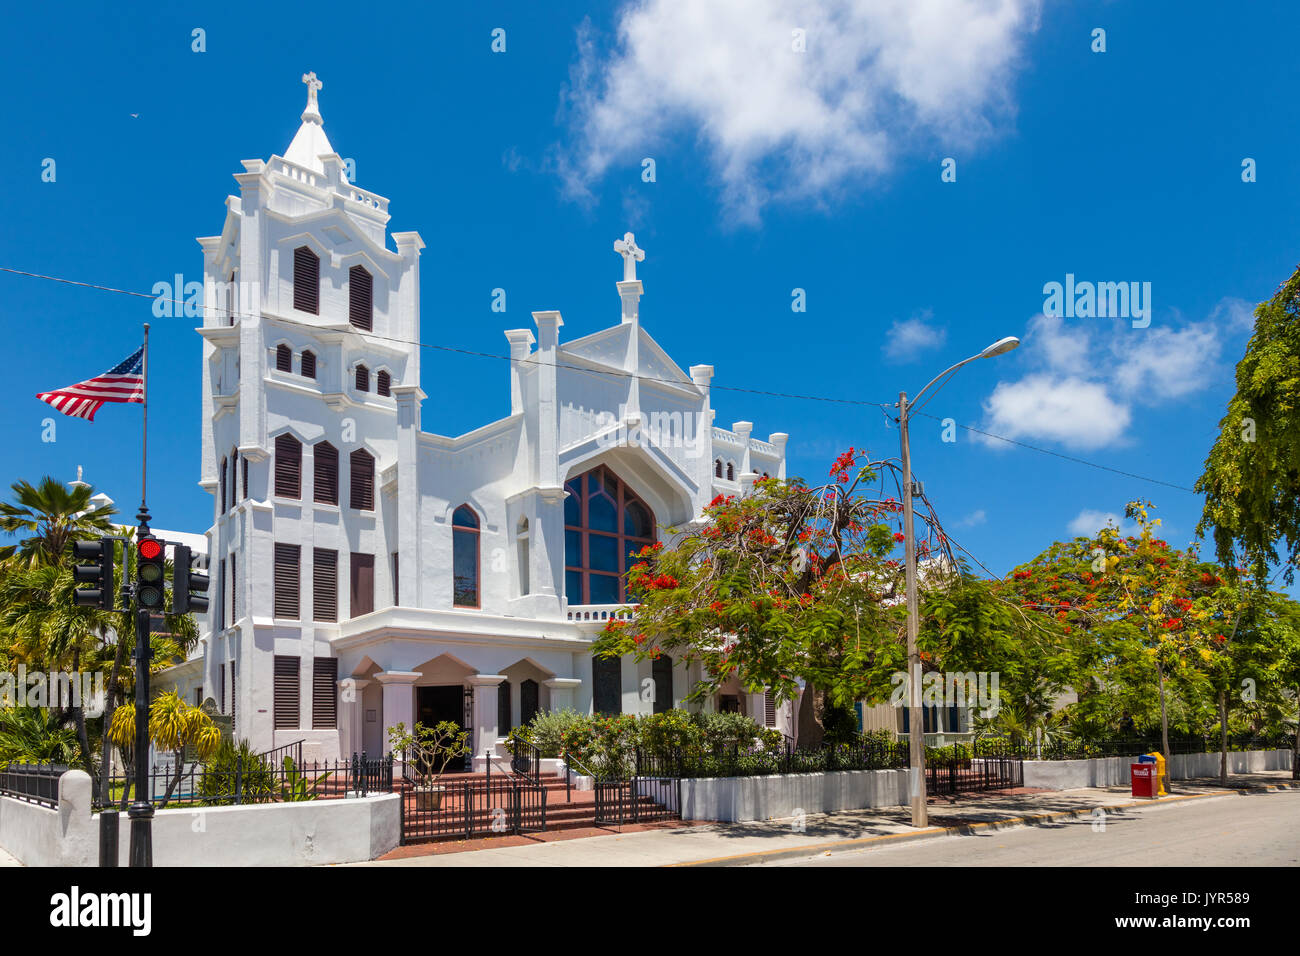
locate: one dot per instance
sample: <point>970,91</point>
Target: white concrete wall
<point>40,836</point>
<point>739,799</point>
<point>1114,771</point>
<point>280,834</point>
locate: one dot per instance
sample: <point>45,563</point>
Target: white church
<point>366,572</point>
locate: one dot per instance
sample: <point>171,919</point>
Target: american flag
<point>124,382</point>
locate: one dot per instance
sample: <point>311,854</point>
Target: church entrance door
<point>441,702</point>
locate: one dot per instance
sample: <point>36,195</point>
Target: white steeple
<point>310,142</point>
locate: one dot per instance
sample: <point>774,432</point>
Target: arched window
<point>234,470</point>
<point>717,468</point>
<point>731,472</point>
<point>604,520</point>
<point>308,363</point>
<point>362,473</point>
<point>325,473</point>
<point>283,358</point>
<point>464,557</point>
<point>361,309</point>
<point>383,383</point>
<point>306,280</point>
<point>363,379</point>
<point>521,538</point>
<point>288,466</point>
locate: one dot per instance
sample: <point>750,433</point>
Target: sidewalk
<point>728,844</point>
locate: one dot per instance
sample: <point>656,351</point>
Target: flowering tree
<point>790,583</point>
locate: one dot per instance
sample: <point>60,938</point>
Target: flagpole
<point>143,516</point>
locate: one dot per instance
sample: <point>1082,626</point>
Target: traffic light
<point>188,586</point>
<point>149,569</point>
<point>98,575</point>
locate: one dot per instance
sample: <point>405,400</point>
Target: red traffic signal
<point>150,572</point>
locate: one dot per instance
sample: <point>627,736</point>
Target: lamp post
<point>915,718</point>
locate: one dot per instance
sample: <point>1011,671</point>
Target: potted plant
<point>429,750</point>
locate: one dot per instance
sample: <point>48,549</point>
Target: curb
<point>965,829</point>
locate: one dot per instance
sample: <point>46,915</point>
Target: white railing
<point>299,173</point>
<point>722,435</point>
<point>600,612</point>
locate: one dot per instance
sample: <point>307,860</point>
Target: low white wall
<point>41,836</point>
<point>275,834</point>
<point>1114,771</point>
<point>739,799</point>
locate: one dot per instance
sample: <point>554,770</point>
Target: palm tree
<point>50,515</point>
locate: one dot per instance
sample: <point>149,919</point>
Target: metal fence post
<point>239,779</point>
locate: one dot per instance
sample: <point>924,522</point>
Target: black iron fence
<point>525,759</point>
<point>254,779</point>
<point>33,782</point>
<point>653,791</point>
<point>464,808</point>
<point>958,769</point>
<point>1075,748</point>
<point>734,760</point>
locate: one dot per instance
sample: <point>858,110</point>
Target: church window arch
<point>731,471</point>
<point>604,521</point>
<point>363,379</point>
<point>383,383</point>
<point>308,365</point>
<point>717,468</point>
<point>283,358</point>
<point>306,280</point>
<point>465,557</point>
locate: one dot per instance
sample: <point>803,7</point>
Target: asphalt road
<point>1249,830</point>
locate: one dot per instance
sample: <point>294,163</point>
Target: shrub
<point>217,783</point>
<point>548,731</point>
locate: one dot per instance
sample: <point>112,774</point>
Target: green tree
<point>1251,480</point>
<point>48,517</point>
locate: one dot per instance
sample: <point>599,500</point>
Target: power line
<point>619,373</point>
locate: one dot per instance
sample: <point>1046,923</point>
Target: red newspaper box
<point>1145,781</point>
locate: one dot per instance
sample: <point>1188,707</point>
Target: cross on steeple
<point>313,85</point>
<point>631,253</point>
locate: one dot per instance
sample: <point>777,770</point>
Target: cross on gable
<point>631,253</point>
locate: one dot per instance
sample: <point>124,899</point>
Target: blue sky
<point>774,170</point>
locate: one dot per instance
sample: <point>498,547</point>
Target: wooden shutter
<point>243,464</point>
<point>325,585</point>
<point>230,301</point>
<point>234,487</point>
<point>324,694</point>
<point>221,491</point>
<point>288,466</point>
<point>234,590</point>
<point>383,383</point>
<point>361,309</point>
<point>234,695</point>
<point>287,584</point>
<point>661,670</point>
<point>503,708</point>
<point>306,280</point>
<point>361,468</point>
<point>283,358</point>
<point>363,379</point>
<point>363,584</point>
<point>607,685</point>
<point>221,690</point>
<point>308,364</point>
<point>397,591</point>
<point>286,704</point>
<point>325,468</point>
<point>769,709</point>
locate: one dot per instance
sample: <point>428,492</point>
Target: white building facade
<point>366,572</point>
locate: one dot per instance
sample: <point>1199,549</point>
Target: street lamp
<point>915,719</point>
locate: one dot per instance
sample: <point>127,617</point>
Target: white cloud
<point>1160,363</point>
<point>977,517</point>
<point>908,338</point>
<point>877,78</point>
<point>1088,522</point>
<point>1072,411</point>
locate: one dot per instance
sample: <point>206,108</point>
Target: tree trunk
<point>79,717</point>
<point>110,704</point>
<point>1223,738</point>
<point>811,706</point>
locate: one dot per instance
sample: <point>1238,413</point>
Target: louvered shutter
<point>221,604</point>
<point>234,696</point>
<point>286,581</point>
<point>324,694</point>
<point>306,280</point>
<point>769,709</point>
<point>397,601</point>
<point>308,364</point>
<point>362,475</point>
<point>243,464</point>
<point>360,298</point>
<point>383,383</point>
<point>283,358</point>
<point>234,590</point>
<point>325,468</point>
<point>221,690</point>
<point>325,585</point>
<point>234,487</point>
<point>287,699</point>
<point>221,504</point>
<point>363,584</point>
<point>288,467</point>
<point>363,379</point>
